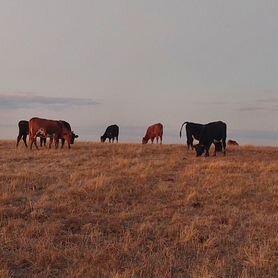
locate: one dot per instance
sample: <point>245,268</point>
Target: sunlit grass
<point>127,210</point>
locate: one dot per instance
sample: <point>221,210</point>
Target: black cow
<point>193,131</point>
<point>111,132</point>
<point>215,131</point>
<point>23,131</point>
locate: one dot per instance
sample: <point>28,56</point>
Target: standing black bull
<point>215,131</point>
<point>111,132</point>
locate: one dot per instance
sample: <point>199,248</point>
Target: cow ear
<point>76,136</point>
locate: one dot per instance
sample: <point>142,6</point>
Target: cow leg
<point>18,139</point>
<point>224,147</point>
<point>68,141</point>
<point>160,139</point>
<point>24,140</point>
<point>190,143</point>
<point>56,142</point>
<point>50,142</point>
<point>214,154</point>
<point>207,150</point>
<point>63,142</point>
<point>44,141</point>
<point>33,140</point>
<point>117,139</point>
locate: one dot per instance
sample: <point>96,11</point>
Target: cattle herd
<point>207,134</point>
<point>43,128</point>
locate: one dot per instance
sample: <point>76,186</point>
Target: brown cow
<point>232,143</point>
<point>67,126</point>
<point>50,128</point>
<point>23,131</point>
<point>153,131</point>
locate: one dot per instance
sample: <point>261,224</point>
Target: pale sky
<point>135,63</point>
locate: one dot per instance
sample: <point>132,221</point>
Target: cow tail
<point>182,127</point>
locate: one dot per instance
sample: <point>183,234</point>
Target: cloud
<point>13,102</point>
<point>251,108</point>
<point>211,103</point>
<point>268,103</point>
<point>268,100</point>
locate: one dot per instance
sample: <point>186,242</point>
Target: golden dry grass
<point>103,210</point>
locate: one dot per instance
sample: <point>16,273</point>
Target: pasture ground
<point>127,210</point>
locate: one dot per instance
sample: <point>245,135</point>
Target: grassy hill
<point>103,210</point>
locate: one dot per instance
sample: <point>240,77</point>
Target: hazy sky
<point>134,63</point>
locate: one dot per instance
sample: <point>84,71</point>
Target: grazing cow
<point>50,128</point>
<point>23,127</point>
<point>193,131</point>
<point>111,132</point>
<point>215,131</point>
<point>67,126</point>
<point>232,143</point>
<point>153,131</point>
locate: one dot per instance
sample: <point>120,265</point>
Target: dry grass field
<point>127,210</point>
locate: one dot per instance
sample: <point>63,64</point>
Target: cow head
<point>72,137</point>
<point>102,139</point>
<point>69,136</point>
<point>199,149</point>
<point>144,140</point>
